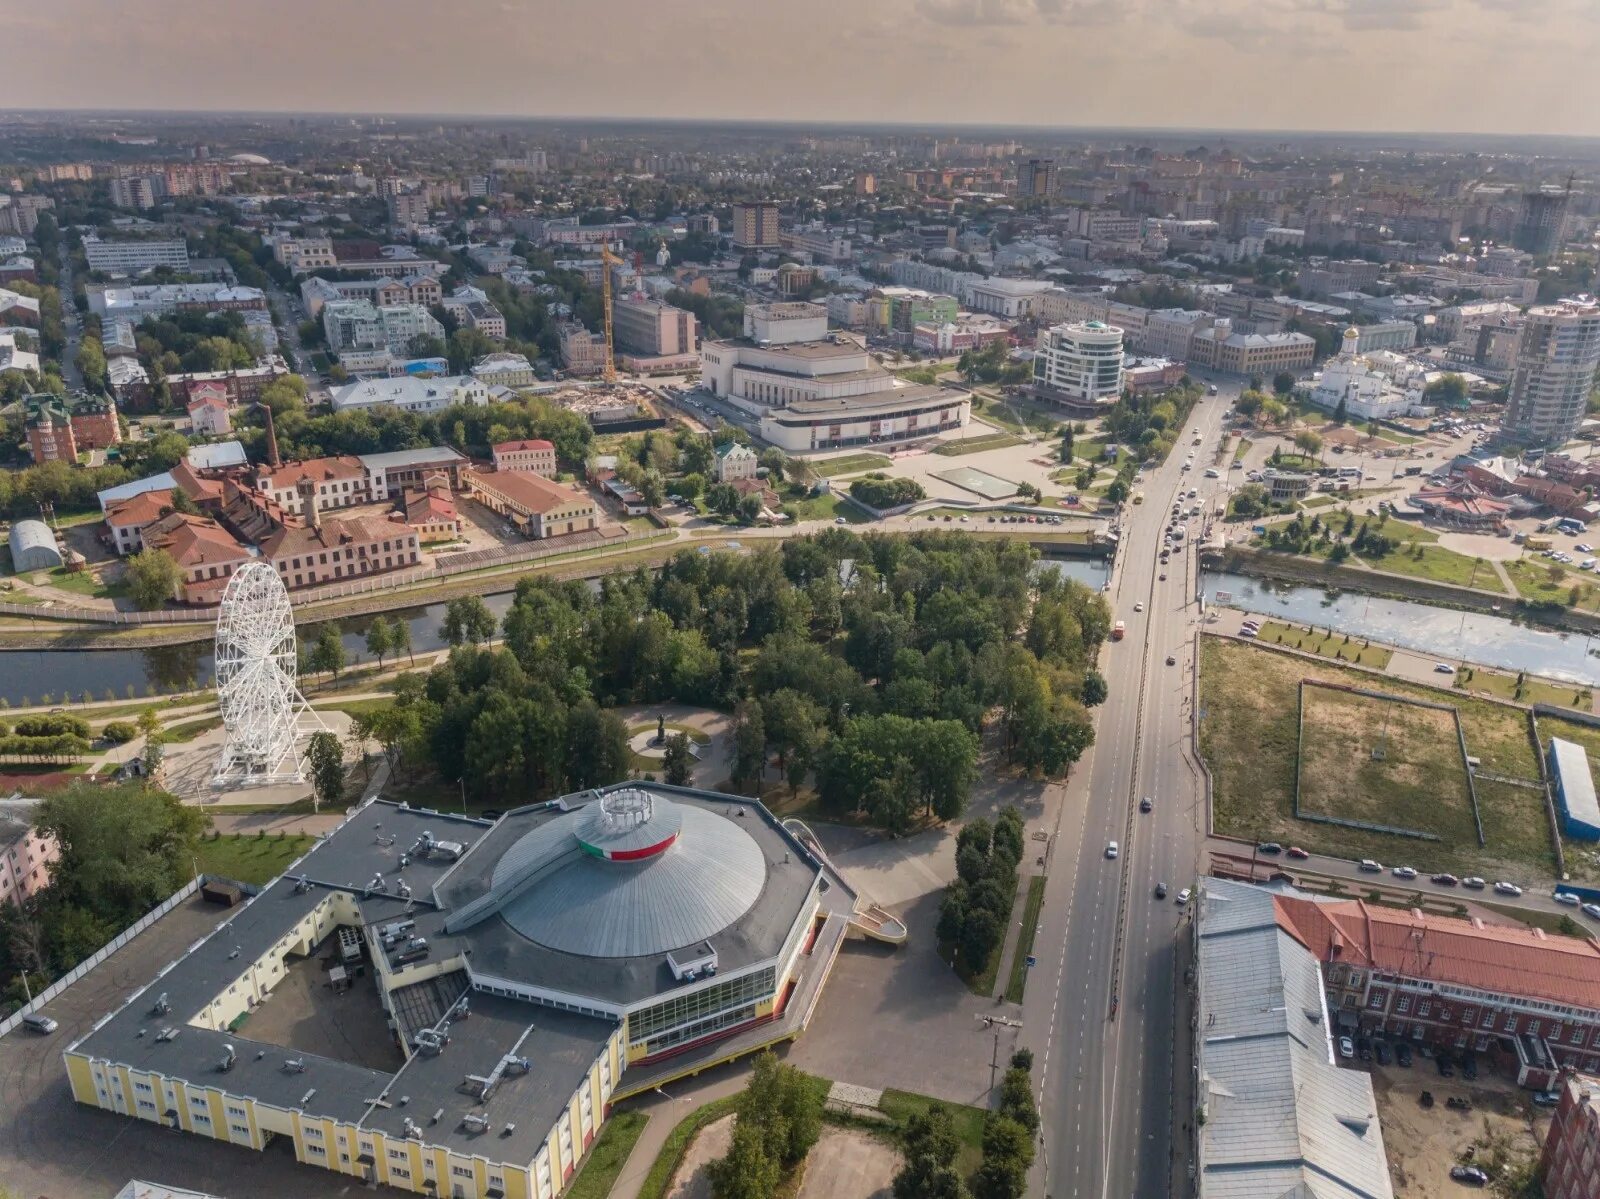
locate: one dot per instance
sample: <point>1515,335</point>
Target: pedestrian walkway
<point>666,1110</point>
<point>1008,951</point>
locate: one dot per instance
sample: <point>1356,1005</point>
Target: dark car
<point>1146,804</point>
<point>1269,847</point>
<point>1469,1066</point>
<point>1380,1049</point>
<point>1446,1069</point>
<point>1469,1174</point>
<point>1546,1098</point>
<point>1161,890</point>
<point>1294,851</point>
<point>1364,1049</point>
<point>1445,880</point>
<point>1402,1055</point>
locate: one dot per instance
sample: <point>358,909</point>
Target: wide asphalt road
<point>1100,1006</point>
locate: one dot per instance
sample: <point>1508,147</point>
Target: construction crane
<point>607,261</point>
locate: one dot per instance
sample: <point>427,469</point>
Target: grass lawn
<point>974,445</point>
<point>1338,646</point>
<point>902,1105</point>
<point>1543,581</point>
<point>1438,564</point>
<point>1030,924</point>
<point>1248,737</point>
<point>1292,461</point>
<point>608,1156</point>
<point>354,707</point>
<point>1529,691</point>
<point>85,582</point>
<point>1420,782</point>
<point>1243,448</point>
<point>190,729</point>
<point>996,412</point>
<point>250,859</point>
<point>826,507</point>
<point>850,464</point>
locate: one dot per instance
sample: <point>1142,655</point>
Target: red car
<point>1295,851</point>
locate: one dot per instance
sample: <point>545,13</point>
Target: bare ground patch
<point>1384,762</point>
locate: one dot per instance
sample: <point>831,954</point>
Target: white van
<point>40,1024</point>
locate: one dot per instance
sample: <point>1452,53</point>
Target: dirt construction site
<point>1422,1143</point>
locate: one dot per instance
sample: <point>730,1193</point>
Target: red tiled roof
<point>527,443</point>
<point>196,488</point>
<point>427,507</point>
<point>532,493</point>
<point>335,531</point>
<point>318,470</point>
<point>194,540</point>
<point>139,510</point>
<point>1520,962</point>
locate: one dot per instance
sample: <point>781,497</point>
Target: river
<point>1474,637</point>
<point>30,675</point>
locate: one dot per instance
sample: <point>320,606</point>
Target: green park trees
<point>124,849</point>
<point>777,1121</point>
<point>977,906</point>
<point>931,1144</point>
<point>152,577</point>
<point>467,621</point>
<point>875,679</point>
<point>327,766</point>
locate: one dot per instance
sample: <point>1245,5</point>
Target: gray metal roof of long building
<point>1281,1118</point>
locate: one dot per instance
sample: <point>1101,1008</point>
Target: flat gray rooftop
<point>560,1046</point>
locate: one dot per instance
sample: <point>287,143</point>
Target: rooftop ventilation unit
<point>228,1058</point>
<point>473,1122</point>
<point>167,1034</point>
<point>162,1006</point>
<point>294,1065</point>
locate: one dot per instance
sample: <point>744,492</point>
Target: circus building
<point>511,979</point>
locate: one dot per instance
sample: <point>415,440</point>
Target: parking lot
<point>53,1148</point>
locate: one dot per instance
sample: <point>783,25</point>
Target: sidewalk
<point>1008,951</point>
<point>666,1109</point>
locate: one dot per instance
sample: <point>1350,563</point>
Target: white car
<point>1404,872</point>
<point>1592,909</point>
<point>1567,897</point>
<point>1505,888</point>
<point>1583,547</point>
<point>1111,849</point>
<point>1138,607</point>
<point>1183,897</point>
<point>1443,668</point>
<point>1213,473</point>
<point>1370,867</point>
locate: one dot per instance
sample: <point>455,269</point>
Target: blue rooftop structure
<point>1569,769</point>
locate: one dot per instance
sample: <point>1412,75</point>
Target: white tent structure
<point>263,712</point>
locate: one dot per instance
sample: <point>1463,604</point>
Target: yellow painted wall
<point>81,1079</point>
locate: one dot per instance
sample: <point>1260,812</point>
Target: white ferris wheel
<point>257,687</point>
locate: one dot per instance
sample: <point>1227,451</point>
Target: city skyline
<point>1309,65</point>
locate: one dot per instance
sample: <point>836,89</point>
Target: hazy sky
<point>1469,65</point>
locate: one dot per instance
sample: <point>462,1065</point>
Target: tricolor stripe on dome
<point>627,855</point>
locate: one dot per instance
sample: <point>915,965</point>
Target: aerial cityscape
<point>1019,621</point>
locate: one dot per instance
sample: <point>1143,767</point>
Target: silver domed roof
<point>710,875</point>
